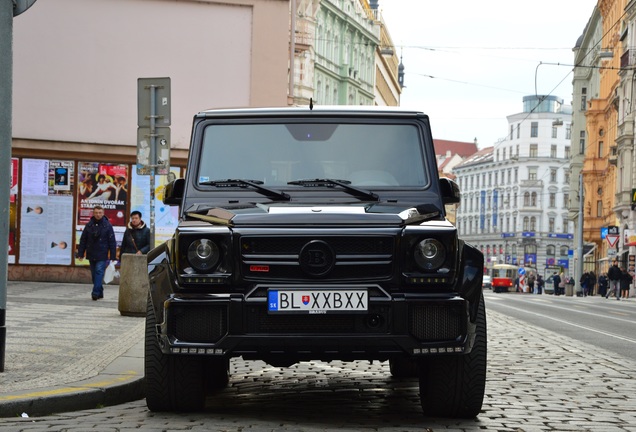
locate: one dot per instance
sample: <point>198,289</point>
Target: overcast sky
<point>468,63</point>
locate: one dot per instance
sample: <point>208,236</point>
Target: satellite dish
<point>20,6</point>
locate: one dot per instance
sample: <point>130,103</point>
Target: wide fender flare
<point>471,276</point>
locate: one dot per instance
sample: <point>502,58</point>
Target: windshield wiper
<point>345,184</point>
<point>256,184</point>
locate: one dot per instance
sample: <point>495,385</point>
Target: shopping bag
<point>110,273</point>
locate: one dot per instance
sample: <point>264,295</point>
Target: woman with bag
<point>137,236</point>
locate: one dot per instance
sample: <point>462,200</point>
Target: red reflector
<point>258,268</point>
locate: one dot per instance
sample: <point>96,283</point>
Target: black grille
<point>355,257</point>
<point>437,322</point>
<point>200,323</point>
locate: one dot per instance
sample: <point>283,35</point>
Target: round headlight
<point>203,255</point>
<point>429,254</point>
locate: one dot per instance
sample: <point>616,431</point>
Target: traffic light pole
<point>6,84</point>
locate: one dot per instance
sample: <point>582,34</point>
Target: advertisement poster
<point>13,208</point>
<point>46,214</point>
<point>166,217</point>
<point>630,238</point>
<point>105,185</point>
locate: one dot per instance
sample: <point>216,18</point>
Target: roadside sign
<point>162,101</point>
<point>611,252</point>
<point>612,240</point>
<point>162,151</point>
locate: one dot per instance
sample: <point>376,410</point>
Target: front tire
<point>173,383</point>
<point>454,386</point>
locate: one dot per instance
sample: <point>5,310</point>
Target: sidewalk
<point>66,352</point>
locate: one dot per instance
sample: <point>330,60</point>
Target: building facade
<point>515,194</point>
<point>75,109</point>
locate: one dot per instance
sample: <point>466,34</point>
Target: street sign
<point>162,153</point>
<point>162,104</point>
<point>612,240</point>
<point>611,253</point>
<point>20,6</point>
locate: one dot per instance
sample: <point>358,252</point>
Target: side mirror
<point>173,193</point>
<point>449,190</point>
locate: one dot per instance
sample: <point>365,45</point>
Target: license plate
<point>317,301</point>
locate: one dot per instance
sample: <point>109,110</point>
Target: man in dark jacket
<point>99,244</point>
<point>614,276</point>
<point>137,236</point>
<point>557,280</point>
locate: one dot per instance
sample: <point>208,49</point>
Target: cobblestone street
<point>537,381</point>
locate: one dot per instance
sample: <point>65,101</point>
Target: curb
<point>122,381</point>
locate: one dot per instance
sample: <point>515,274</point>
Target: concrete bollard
<point>133,285</point>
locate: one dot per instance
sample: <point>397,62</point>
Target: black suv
<point>315,234</point>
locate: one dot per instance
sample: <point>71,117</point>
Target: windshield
<point>366,155</point>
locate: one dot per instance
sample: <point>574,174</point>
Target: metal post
<point>153,160</point>
<point>6,96</point>
<point>579,232</point>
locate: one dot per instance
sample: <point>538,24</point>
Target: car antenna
<point>311,104</point>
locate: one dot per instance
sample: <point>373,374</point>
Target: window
<point>533,223</point>
<point>568,131</point>
<point>532,173</point>
<point>496,178</point>
<point>534,129</point>
<point>489,179</point>
<point>567,152</point>
<point>526,223</point>
<point>514,225</point>
<point>566,176</point>
<point>600,149</point>
<point>534,150</point>
<point>516,174</point>
<point>511,131</point>
<point>518,132</point>
<point>566,200</point>
<point>509,176</point>
<point>566,223</point>
<point>551,225</point>
<point>553,151</point>
<point>553,175</point>
<point>533,199</point>
<point>554,131</point>
<point>504,154</point>
<point>582,143</point>
<point>599,208</point>
<point>583,99</point>
<point>517,149</point>
<point>564,251</point>
<point>497,156</point>
<point>526,199</point>
<point>552,201</point>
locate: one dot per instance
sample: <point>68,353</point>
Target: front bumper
<point>230,325</point>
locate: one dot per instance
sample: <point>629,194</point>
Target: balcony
<point>531,183</point>
<point>628,58</point>
<point>613,156</point>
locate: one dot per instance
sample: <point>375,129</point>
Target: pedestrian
<point>540,282</point>
<point>531,280</point>
<point>614,276</point>
<point>602,284</point>
<point>136,237</point>
<point>562,283</point>
<point>556,279</point>
<point>626,280</point>
<point>98,244</point>
<point>584,281</point>
<point>592,282</point>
